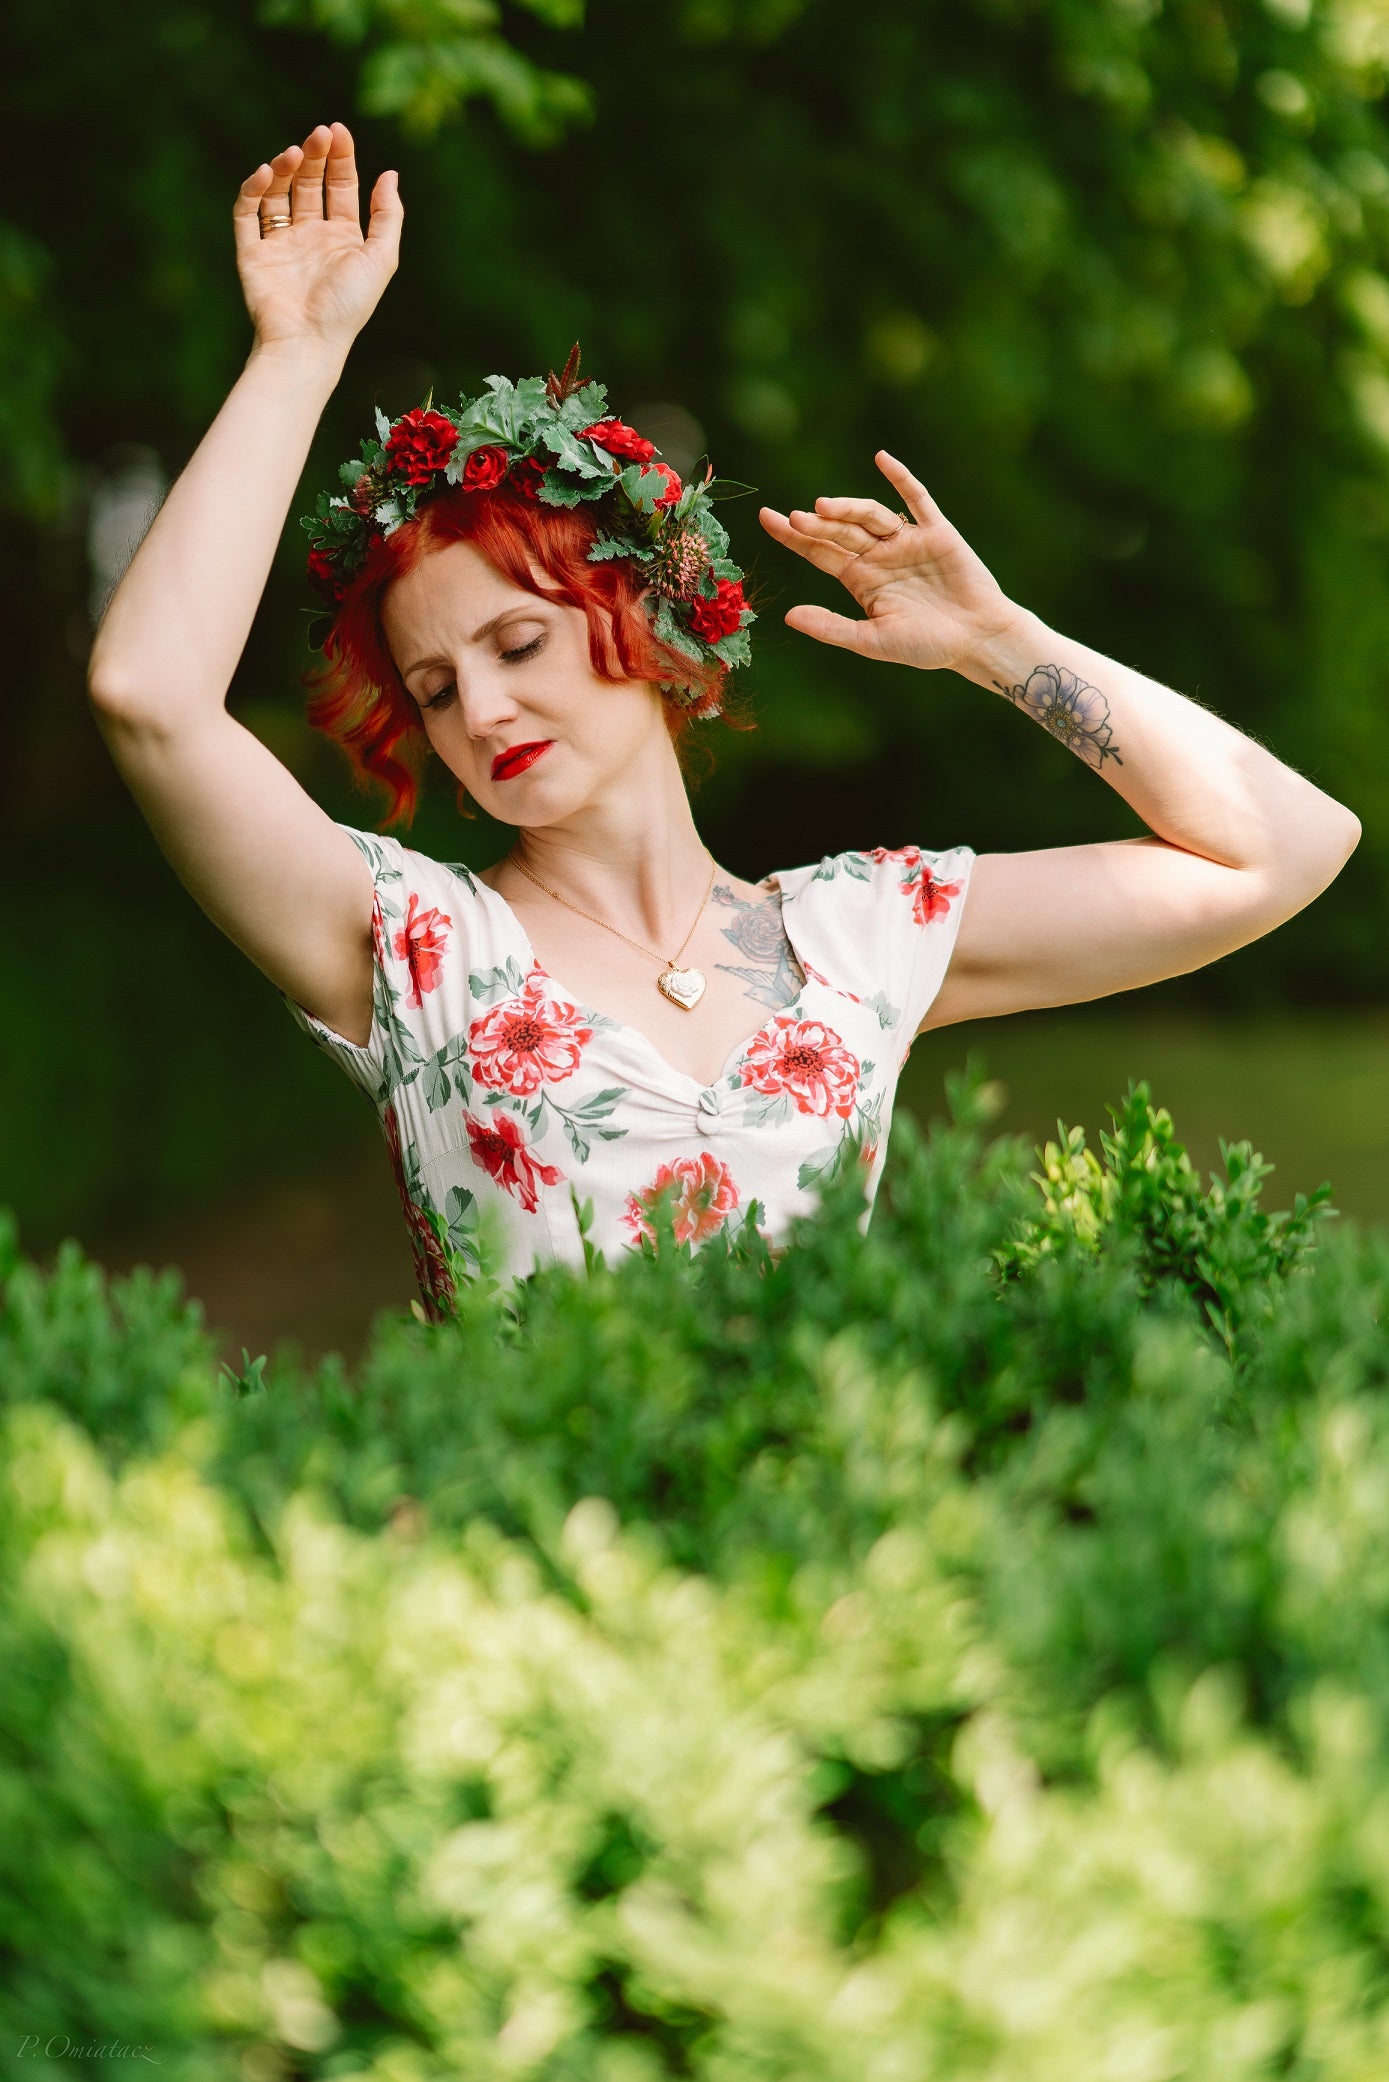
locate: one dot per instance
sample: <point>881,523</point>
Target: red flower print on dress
<point>930,899</point>
<point>706,1198</point>
<point>432,1274</point>
<point>528,1040</point>
<point>504,1154</point>
<point>805,1060</point>
<point>420,943</point>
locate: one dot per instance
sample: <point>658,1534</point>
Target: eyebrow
<point>476,637</point>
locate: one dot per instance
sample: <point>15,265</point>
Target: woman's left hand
<point>927,599</point>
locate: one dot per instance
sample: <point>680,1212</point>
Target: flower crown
<point>550,437</point>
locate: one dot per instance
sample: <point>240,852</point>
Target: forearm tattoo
<point>1076,714</point>
<point>773,976</point>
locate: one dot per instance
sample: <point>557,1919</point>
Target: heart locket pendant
<point>684,987</point>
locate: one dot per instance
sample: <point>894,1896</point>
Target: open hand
<point>316,278</point>
<point>927,598</point>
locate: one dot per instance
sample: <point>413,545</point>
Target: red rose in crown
<point>419,444</point>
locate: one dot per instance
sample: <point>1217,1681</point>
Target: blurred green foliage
<point>1113,275</point>
<point>952,1650</point>
<point>424,62</point>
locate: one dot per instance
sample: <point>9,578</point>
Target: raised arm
<point>260,856</point>
<point>1239,841</point>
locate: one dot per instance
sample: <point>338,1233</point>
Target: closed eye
<point>515,657</point>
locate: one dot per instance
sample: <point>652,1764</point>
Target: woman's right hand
<point>317,278</point>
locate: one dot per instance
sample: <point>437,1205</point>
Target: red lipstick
<point>516,758</point>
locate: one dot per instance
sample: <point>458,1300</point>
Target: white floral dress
<point>497,1090</point>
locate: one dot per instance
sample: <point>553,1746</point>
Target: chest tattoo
<point>770,971</point>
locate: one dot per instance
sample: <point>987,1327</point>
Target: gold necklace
<point>684,987</point>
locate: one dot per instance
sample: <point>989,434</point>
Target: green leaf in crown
<point>561,427</point>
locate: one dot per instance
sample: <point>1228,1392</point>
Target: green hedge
<point>955,1652</point>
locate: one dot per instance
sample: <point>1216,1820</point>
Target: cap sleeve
<point>419,940</point>
<point>888,921</point>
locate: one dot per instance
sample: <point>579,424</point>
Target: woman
<point>579,1023</point>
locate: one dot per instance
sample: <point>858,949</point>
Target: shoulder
<point>898,883</point>
<point>434,923</point>
<point>400,871</point>
<point>881,921</point>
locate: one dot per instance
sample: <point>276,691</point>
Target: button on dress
<point>504,1101</point>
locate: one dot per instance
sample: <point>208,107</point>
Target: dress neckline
<point>634,1035</point>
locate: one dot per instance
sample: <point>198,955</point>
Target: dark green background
<point>1109,277</point>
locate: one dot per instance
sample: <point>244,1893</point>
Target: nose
<point>484,700</point>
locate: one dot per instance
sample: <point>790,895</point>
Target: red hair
<point>359,699</point>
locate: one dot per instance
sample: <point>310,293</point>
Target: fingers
<point>848,534</point>
<point>823,553</point>
<point>306,181</point>
<point>387,216</point>
<point>306,184</point>
<point>277,196</point>
<point>246,208</point>
<point>340,180</point>
<point>868,514</point>
<point>826,627</point>
<point>913,494</point>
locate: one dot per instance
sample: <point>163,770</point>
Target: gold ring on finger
<point>274,222</point>
<point>903,521</point>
